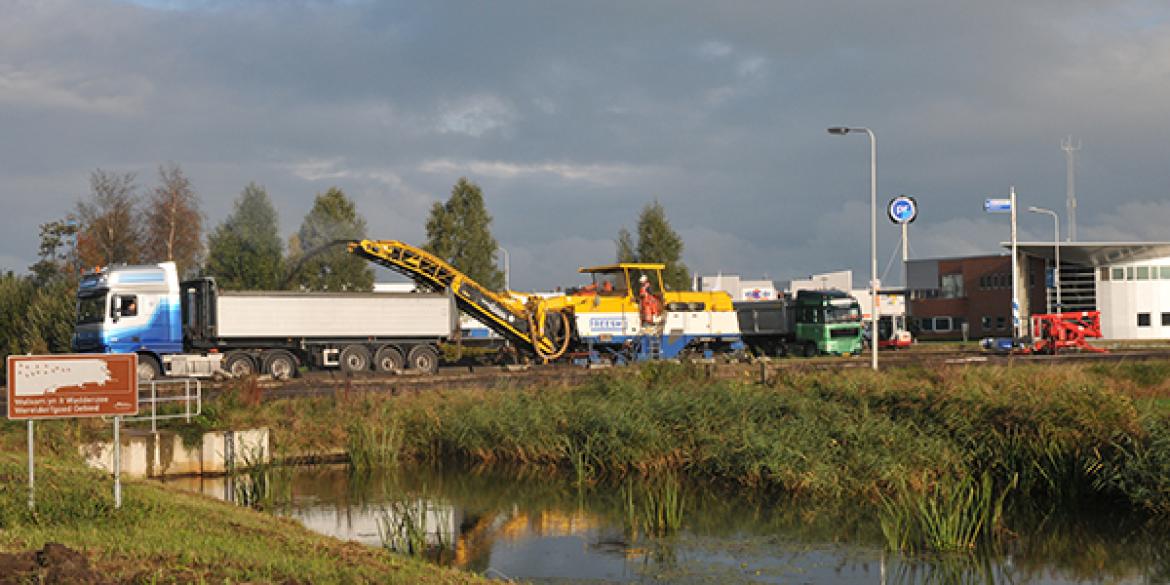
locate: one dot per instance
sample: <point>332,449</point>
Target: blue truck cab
<point>130,309</point>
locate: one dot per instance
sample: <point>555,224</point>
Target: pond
<point>537,526</point>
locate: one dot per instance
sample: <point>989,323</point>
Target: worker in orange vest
<point>650,307</point>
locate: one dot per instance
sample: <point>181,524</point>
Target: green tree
<point>58,252</point>
<point>244,252</point>
<point>109,232</point>
<point>657,242</point>
<point>173,223</point>
<point>626,251</point>
<point>36,317</point>
<point>318,259</point>
<point>459,231</point>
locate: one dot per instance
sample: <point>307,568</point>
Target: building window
<point>952,286</point>
<point>926,324</point>
<point>985,323</point>
<point>1143,272</point>
<point>1129,272</point>
<point>1143,319</point>
<point>942,324</point>
<point>1001,323</point>
<point>1104,275</point>
<point>1166,319</point>
<point>1165,272</point>
<point>1118,274</point>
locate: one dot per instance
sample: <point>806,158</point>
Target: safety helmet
<point>643,278</point>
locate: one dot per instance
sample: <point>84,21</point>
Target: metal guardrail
<point>192,393</point>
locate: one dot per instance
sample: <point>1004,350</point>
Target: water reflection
<point>530,525</point>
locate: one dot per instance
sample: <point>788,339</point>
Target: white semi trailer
<point>193,328</point>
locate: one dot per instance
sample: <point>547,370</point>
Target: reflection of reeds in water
<point>950,570</point>
<point>954,516</point>
<point>403,529</point>
<point>654,506</point>
<point>261,485</point>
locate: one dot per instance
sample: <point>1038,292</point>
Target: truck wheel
<point>389,359</point>
<point>239,364</point>
<point>810,350</point>
<point>148,368</point>
<point>424,359</point>
<point>355,358</point>
<point>281,365</point>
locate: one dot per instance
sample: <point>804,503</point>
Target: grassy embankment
<point>166,536</point>
<point>937,450</point>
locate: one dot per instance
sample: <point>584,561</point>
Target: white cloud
<point>475,115</point>
<point>1134,221</point>
<point>714,50</point>
<point>600,174</point>
<point>90,93</point>
<point>751,67</point>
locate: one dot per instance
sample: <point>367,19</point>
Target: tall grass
<point>653,506</point>
<point>1071,436</point>
<point>954,516</point>
<point>373,444</point>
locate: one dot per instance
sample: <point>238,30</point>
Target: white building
<point>1128,282</point>
<point>739,289</point>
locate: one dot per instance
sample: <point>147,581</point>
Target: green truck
<point>810,323</point>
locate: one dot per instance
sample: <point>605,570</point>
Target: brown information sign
<point>74,385</point>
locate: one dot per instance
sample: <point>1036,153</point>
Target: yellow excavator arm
<point>521,323</point>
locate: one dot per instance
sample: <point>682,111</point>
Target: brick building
<point>974,293</point>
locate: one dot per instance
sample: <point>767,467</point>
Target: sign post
<point>903,210</point>
<point>1009,206</point>
<point>32,480</point>
<point>72,386</point>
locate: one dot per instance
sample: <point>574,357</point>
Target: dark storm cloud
<point>573,115</point>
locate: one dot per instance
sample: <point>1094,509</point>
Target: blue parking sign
<point>902,209</point>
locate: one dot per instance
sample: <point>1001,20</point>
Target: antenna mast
<point>1070,149</point>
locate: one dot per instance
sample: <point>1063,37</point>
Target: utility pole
<point>1070,149</point>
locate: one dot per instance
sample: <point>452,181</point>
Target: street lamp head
<point>839,130</point>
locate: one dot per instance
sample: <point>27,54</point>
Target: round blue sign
<point>902,209</point>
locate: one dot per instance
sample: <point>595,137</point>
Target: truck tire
<point>239,364</point>
<point>148,367</point>
<point>423,359</point>
<point>809,350</point>
<point>355,358</point>
<point>389,359</point>
<point>280,364</point>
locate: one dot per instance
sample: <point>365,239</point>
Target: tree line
<point>120,222</point>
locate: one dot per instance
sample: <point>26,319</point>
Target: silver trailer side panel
<point>317,315</point>
<point>765,317</point>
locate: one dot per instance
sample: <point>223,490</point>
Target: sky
<point>574,115</point>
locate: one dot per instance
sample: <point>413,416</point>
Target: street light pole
<point>1056,247</point>
<point>873,282</point>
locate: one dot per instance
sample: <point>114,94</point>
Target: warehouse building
<point>1128,282</point>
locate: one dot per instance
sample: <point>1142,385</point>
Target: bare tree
<point>108,233</point>
<point>173,223</point>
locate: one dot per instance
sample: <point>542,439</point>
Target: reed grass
<point>373,443</point>
<point>954,516</point>
<point>654,507</point>
<point>1069,436</point>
